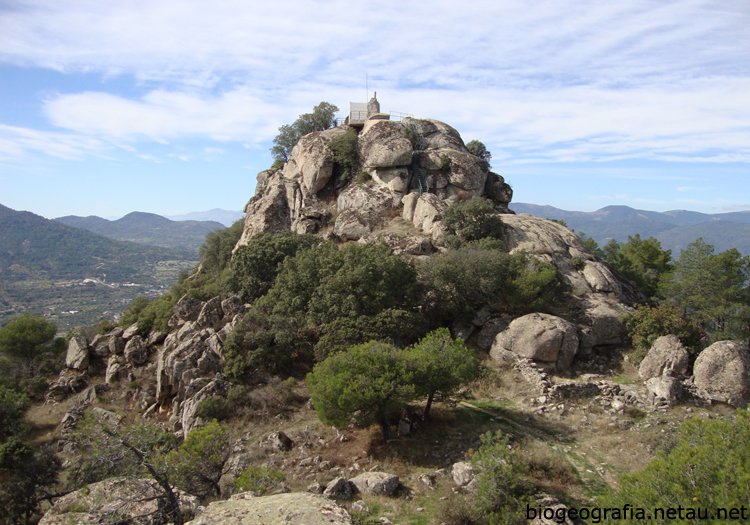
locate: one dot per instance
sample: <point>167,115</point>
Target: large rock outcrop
<point>397,162</point>
<point>389,151</point>
<point>599,297</point>
<point>667,356</point>
<point>546,339</point>
<point>722,373</point>
<point>115,500</point>
<point>296,508</point>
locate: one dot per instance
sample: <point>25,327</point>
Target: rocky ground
<point>578,432</point>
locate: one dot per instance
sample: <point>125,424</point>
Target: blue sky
<point>170,106</point>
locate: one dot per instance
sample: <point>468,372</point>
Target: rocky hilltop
<point>409,172</point>
<point>552,365</point>
<point>421,165</point>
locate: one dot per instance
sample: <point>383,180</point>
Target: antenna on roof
<point>367,88</point>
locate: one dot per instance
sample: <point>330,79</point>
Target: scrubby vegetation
<point>345,153</point>
<point>472,221</point>
<point>459,283</point>
<point>708,470</point>
<point>647,324</point>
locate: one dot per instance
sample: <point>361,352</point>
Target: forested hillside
<point>149,229</point>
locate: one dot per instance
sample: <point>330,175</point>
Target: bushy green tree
<point>478,148</point>
<point>459,283</point>
<point>589,242</point>
<point>258,479</point>
<point>327,283</point>
<point>439,363</point>
<point>471,220</point>
<point>366,385</point>
<point>322,117</point>
<point>265,343</point>
<point>643,261</point>
<point>647,324</point>
<point>13,407</point>
<point>28,476</point>
<point>26,337</point>
<point>213,275</point>
<point>712,289</point>
<point>398,327</point>
<point>216,251</point>
<point>344,294</point>
<point>708,469</point>
<point>200,460</point>
<point>255,265</point>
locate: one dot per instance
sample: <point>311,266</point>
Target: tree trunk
<point>426,413</point>
<point>386,425</point>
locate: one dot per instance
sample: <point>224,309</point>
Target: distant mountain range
<point>73,276</point>
<point>227,218</point>
<point>674,229</point>
<point>34,247</point>
<point>149,229</point>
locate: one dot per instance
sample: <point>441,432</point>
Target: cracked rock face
<point>386,152</point>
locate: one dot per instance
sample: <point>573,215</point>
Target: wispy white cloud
<point>400,44</point>
<point>163,115</point>
<point>558,81</point>
<point>18,142</point>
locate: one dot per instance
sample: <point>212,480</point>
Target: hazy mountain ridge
<point>147,228</point>
<point>73,275</point>
<point>674,229</point>
<point>225,217</point>
<point>34,246</point>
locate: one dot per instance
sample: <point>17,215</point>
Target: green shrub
<point>326,283</point>
<point>263,344</point>
<point>255,265</point>
<point>459,283</point>
<point>708,469</point>
<point>579,263</point>
<point>214,407</point>
<point>445,163</point>
<point>258,479</point>
<point>398,327</point>
<point>105,326</point>
<point>345,153</point>
<point>200,460</point>
<point>149,315</point>
<point>473,219</point>
<point>364,176</point>
<point>647,324</point>
<point>501,496</point>
<point>277,164</point>
<point>13,407</point>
